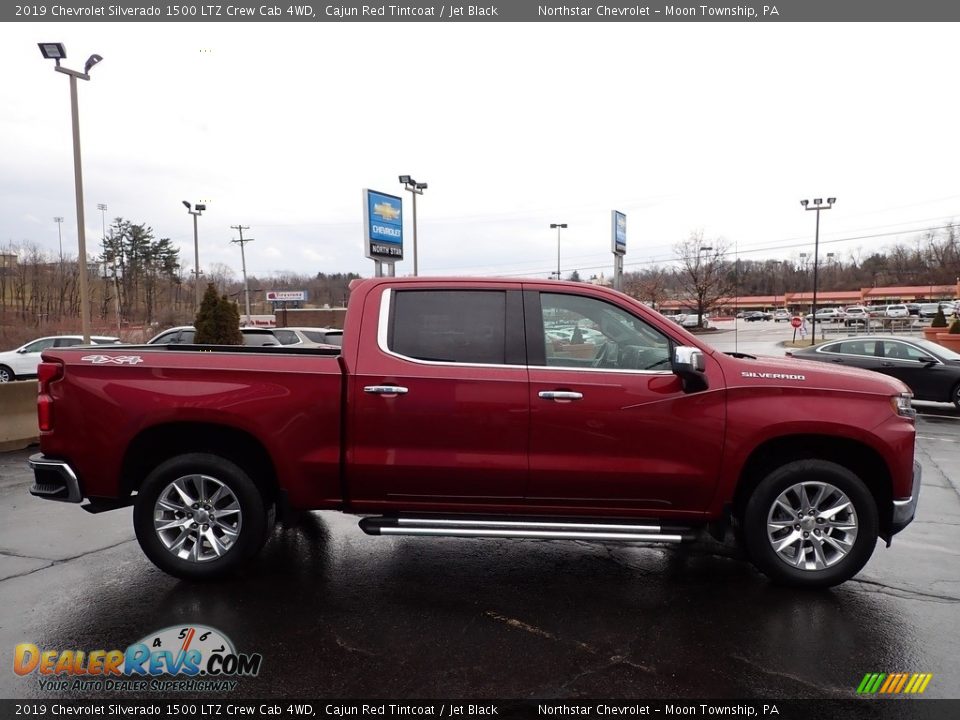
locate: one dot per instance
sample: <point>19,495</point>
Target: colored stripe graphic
<point>894,683</point>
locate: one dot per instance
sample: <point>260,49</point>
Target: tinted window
<point>330,337</point>
<point>853,347</point>
<point>901,351</point>
<point>39,345</point>
<point>467,326</point>
<point>67,342</point>
<point>585,332</point>
<point>286,337</point>
<point>259,339</point>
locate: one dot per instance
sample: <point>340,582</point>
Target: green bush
<point>939,320</point>
<point>217,321</point>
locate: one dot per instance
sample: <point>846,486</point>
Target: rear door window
<point>460,326</point>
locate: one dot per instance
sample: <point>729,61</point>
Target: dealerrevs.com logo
<point>196,657</point>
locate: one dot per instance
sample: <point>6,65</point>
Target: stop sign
<point>796,321</point>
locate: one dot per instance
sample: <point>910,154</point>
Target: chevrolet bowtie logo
<point>386,211</point>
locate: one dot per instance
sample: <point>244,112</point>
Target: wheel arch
<point>865,462</point>
<point>158,443</point>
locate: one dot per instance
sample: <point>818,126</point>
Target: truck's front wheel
<point>198,516</point>
<point>810,523</point>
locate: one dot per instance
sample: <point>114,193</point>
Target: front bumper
<point>54,480</point>
<point>906,508</point>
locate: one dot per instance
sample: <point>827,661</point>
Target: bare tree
<point>704,272</point>
<point>651,286</point>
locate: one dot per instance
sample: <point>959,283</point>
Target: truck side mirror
<point>690,365</point>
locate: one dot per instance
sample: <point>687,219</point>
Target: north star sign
<point>383,226</point>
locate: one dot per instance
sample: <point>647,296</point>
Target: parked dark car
<point>929,310</point>
<point>931,371</point>
<point>757,315</point>
<point>184,336</point>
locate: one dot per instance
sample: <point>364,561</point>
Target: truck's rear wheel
<point>198,516</point>
<point>810,523</point>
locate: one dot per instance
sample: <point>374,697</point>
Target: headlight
<point>903,405</point>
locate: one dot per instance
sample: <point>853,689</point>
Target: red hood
<point>781,371</point>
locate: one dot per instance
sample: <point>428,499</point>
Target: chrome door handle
<point>385,390</point>
<point>560,395</point>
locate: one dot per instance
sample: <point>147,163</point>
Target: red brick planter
<point>951,342</point>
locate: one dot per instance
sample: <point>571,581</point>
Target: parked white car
<point>827,315</point>
<point>309,336</point>
<point>22,363</point>
<point>897,311</point>
<point>856,315</point>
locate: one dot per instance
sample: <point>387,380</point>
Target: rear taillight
<point>47,372</point>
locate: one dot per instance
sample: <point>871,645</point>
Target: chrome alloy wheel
<point>197,518</point>
<point>812,525</point>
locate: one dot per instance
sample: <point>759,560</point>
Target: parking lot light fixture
<point>59,221</point>
<point>57,52</point>
<point>817,207</point>
<point>196,212</point>
<point>415,188</point>
<point>558,226</point>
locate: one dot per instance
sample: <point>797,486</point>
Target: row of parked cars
<point>861,314</point>
<point>22,362</point>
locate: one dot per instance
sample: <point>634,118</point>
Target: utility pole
<point>243,260</point>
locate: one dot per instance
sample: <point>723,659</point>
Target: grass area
<point>802,343</point>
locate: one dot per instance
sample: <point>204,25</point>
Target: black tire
<point>838,567</point>
<point>955,396</point>
<point>6,374</point>
<point>252,524</point>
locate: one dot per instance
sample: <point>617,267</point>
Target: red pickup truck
<point>484,408</point>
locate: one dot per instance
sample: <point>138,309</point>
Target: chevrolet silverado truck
<point>484,408</point>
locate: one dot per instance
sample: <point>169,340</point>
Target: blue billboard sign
<point>619,232</point>
<point>383,226</point>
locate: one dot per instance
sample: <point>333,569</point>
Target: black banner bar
<point>497,11</point>
<point>872,708</point>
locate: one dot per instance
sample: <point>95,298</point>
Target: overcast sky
<point>718,127</point>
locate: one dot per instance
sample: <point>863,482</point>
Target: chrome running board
<point>467,526</point>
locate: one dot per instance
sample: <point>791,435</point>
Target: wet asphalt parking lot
<point>336,613</point>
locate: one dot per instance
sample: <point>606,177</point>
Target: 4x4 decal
<point>113,359</point>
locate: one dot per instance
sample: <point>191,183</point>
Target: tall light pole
<point>558,226</point>
<point>59,221</point>
<point>57,52</point>
<point>196,212</point>
<point>415,188</point>
<point>102,207</point>
<point>817,206</point>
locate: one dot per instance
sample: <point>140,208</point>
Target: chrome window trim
<point>823,349</point>
<point>383,325</point>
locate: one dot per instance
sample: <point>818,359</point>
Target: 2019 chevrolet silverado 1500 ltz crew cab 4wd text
<point>484,408</point>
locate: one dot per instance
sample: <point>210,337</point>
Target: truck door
<point>439,407</point>
<point>610,424</point>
